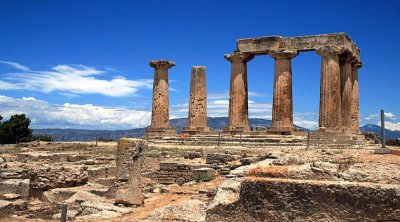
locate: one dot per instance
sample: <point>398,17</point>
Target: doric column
<point>355,110</point>
<point>282,109</point>
<point>197,118</point>
<point>346,84</point>
<point>238,104</point>
<point>330,98</point>
<point>160,108</point>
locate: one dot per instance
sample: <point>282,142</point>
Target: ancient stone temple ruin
<point>339,80</point>
<point>339,107</point>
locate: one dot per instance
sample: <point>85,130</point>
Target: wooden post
<point>308,139</point>
<point>64,208</point>
<point>383,128</point>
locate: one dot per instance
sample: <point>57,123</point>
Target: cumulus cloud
<point>377,116</point>
<point>87,116</point>
<point>391,125</point>
<point>71,79</point>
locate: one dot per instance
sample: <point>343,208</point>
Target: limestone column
<point>346,90</point>
<point>282,109</point>
<point>238,97</point>
<point>355,110</point>
<point>330,98</point>
<point>197,117</point>
<point>160,105</point>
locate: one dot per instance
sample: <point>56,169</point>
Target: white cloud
<point>87,116</point>
<point>306,124</point>
<point>377,116</point>
<point>391,125</point>
<point>16,65</point>
<point>225,95</point>
<point>71,79</point>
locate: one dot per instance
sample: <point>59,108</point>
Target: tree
<point>15,129</point>
<point>1,118</point>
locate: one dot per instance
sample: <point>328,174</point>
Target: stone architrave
<point>282,109</point>
<point>238,97</point>
<point>129,162</point>
<point>346,90</point>
<point>160,106</point>
<point>197,117</point>
<point>355,110</point>
<point>330,98</point>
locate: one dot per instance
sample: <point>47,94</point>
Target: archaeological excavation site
<point>240,173</point>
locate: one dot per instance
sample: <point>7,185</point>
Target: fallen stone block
<point>204,174</point>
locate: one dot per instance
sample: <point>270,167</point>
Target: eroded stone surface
<point>197,117</point>
<point>130,158</point>
<point>160,105</point>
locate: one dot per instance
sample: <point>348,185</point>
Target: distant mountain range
<point>389,134</point>
<point>217,123</point>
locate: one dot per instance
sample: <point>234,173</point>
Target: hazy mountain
<point>217,123</point>
<point>389,134</point>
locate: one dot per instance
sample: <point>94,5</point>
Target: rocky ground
<point>196,183</point>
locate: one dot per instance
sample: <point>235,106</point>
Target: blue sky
<point>84,64</point>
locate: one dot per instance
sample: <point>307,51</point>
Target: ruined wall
<point>295,200</point>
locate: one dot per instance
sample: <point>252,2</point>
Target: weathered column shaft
<point>238,97</point>
<point>282,109</point>
<point>346,91</point>
<point>355,110</point>
<point>160,105</point>
<point>330,98</point>
<point>197,117</point>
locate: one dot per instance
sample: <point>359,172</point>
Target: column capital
<point>284,54</point>
<point>161,64</point>
<point>330,50</point>
<point>237,57</point>
<point>348,58</point>
<point>357,64</point>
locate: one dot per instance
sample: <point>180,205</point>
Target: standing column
<point>160,106</point>
<point>346,91</point>
<point>238,97</point>
<point>330,98</point>
<point>355,110</point>
<point>197,117</point>
<point>282,109</point>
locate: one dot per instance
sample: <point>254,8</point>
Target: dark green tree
<point>15,129</point>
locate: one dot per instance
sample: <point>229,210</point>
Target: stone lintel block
<point>262,45</point>
<point>162,64</point>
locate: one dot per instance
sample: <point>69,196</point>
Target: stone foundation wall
<point>296,200</point>
<point>170,173</point>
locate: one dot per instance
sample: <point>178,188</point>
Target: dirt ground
<point>372,168</point>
